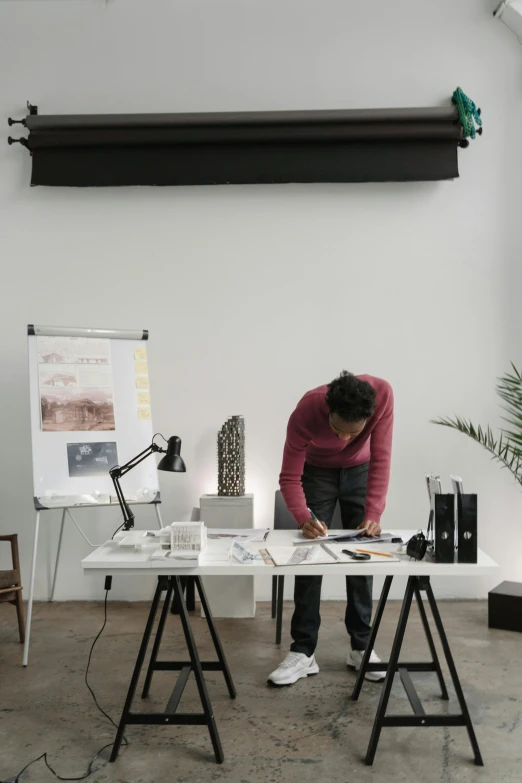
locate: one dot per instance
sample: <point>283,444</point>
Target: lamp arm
<point>128,516</point>
<point>117,472</point>
<point>121,471</point>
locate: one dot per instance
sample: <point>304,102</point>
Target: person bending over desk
<point>338,448</point>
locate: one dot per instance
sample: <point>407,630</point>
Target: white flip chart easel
<point>56,485</point>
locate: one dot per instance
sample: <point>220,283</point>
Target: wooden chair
<point>11,585</point>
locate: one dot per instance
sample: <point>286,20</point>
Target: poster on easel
<point>75,384</point>
<point>90,410</point>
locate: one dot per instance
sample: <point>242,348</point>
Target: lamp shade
<point>172,461</point>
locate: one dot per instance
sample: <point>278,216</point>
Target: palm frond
<point>500,449</point>
<point>507,448</point>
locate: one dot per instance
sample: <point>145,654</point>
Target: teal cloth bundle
<point>469,115</point>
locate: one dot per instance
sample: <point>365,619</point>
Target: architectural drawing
<point>75,380</point>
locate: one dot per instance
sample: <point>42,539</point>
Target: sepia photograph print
<point>75,378</point>
<point>76,410</point>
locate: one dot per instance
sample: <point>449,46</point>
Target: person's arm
<point>294,456</point>
<point>379,470</point>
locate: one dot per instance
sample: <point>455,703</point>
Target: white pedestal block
<point>232,596</point>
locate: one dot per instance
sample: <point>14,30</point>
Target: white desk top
<point>110,559</point>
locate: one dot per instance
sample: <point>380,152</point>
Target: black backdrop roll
<point>238,148</point>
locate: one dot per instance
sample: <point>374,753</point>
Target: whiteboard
<point>53,485</point>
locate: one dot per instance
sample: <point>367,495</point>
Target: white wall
<point>254,294</point>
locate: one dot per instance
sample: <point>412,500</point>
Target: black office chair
<point>283,520</point>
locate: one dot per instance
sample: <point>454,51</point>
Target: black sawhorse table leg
<point>414,587</point>
<point>188,587</point>
<point>172,585</point>
<point>279,595</point>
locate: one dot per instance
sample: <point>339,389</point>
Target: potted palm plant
<point>505,601</point>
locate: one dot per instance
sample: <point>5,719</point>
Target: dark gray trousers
<point>323,487</point>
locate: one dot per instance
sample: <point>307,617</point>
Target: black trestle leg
<point>390,673</point>
<point>191,593</point>
<point>431,644</point>
<point>373,635</point>
<point>137,668</point>
<point>454,676</point>
<point>198,671</point>
<point>157,643</point>
<point>274,596</point>
<point>215,638</point>
<point>175,602</point>
<point>279,610</point>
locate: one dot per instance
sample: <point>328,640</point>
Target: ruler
<point>266,557</point>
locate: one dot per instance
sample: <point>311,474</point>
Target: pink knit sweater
<point>310,439</point>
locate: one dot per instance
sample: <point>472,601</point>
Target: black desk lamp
<point>172,462</point>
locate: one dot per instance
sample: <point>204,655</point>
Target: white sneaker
<point>294,667</point>
<point>355,659</point>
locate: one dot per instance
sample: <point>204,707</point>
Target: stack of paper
<point>346,535</point>
<point>176,559</point>
<point>320,554</point>
<point>247,534</point>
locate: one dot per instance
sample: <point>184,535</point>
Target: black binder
<point>467,528</point>
<point>444,528</point>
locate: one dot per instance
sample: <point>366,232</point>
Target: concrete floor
<point>309,732</point>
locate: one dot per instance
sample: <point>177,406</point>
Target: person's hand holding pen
<point>314,528</point>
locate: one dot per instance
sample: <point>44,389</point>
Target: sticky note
<point>140,368</point>
<point>143,398</point>
<point>140,354</point>
<point>142,381</point>
<point>144,413</point>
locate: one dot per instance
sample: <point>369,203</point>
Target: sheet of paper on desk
<point>345,536</point>
<point>135,538</point>
<point>175,559</point>
<point>217,551</point>
<point>247,534</point>
<point>330,536</point>
<point>288,555</point>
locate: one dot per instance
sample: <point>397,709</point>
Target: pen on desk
<point>266,535</point>
<point>369,552</point>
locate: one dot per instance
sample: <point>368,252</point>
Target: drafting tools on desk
<point>357,555</point>
<point>330,552</point>
<point>266,557</point>
<point>360,555</point>
<point>321,554</point>
<point>349,536</point>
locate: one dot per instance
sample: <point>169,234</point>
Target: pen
<point>317,520</point>
<point>369,552</point>
<point>266,535</point>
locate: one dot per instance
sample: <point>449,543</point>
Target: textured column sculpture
<point>231,457</point>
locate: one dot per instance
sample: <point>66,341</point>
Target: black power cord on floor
<point>90,770</point>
